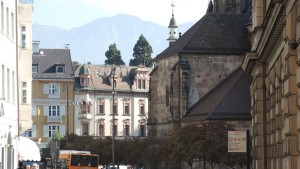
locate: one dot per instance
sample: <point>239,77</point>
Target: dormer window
<point>85,81</point>
<point>34,68</point>
<point>60,69</point>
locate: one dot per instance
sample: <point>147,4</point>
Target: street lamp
<point>113,116</point>
<point>67,114</point>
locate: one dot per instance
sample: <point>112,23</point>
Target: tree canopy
<point>113,55</point>
<point>142,53</point>
<point>205,142</point>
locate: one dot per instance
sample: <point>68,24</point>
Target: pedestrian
<point>35,166</point>
<point>28,167</point>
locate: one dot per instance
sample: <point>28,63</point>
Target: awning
<point>28,150</point>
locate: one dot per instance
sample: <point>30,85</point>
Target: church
<point>196,63</point>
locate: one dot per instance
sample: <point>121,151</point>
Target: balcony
<point>87,116</point>
<point>53,119</point>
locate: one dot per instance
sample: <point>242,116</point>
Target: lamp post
<point>67,115</point>
<point>113,117</point>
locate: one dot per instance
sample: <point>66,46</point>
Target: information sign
<point>237,141</point>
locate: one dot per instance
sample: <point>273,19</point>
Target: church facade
<point>196,63</point>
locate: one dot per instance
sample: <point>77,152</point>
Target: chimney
<point>35,47</point>
<point>67,46</point>
<point>180,34</point>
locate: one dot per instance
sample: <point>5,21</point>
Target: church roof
<point>214,33</point>
<point>230,100</point>
<point>173,22</point>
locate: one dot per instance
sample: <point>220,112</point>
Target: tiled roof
<point>100,78</point>
<point>46,61</point>
<point>214,33</point>
<point>230,100</point>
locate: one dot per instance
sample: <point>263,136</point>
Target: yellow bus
<point>72,159</point>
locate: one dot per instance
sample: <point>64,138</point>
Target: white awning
<point>28,150</point>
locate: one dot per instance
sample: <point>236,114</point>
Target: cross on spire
<point>172,5</point>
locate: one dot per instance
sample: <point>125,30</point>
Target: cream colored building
<point>274,66</point>
<point>94,101</point>
<point>14,114</point>
<point>52,95</point>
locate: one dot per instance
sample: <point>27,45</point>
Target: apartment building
<point>15,83</point>
<point>52,95</point>
<point>106,95</point>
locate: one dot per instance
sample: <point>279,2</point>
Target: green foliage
<point>113,55</point>
<point>142,53</point>
<point>206,141</point>
<point>56,136</point>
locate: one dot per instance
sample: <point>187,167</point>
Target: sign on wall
<point>237,141</point>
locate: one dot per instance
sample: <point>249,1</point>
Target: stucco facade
<point>94,100</point>
<point>52,95</point>
<point>274,66</point>
<point>13,14</point>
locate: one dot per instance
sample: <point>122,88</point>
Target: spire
<point>210,7</point>
<point>172,27</point>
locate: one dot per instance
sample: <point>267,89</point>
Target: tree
<point>113,55</point>
<point>142,53</point>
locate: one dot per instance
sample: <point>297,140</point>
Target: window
<point>141,84</point>
<point>101,103</point>
<point>126,109</point>
<point>7,21</point>
<point>114,108</point>
<point>142,130</point>
<point>115,129</point>
<point>2,16</point>
<point>126,129</point>
<point>85,107</point>
<point>54,111</point>
<point>52,129</point>
<point>12,27</point>
<point>85,129</point>
<point>101,129</point>
<point>34,68</point>
<point>142,109</point>
<point>85,81</point>
<point>23,43</point>
<point>8,84</point>
<point>13,86</point>
<point>101,109</point>
<point>60,69</point>
<point>53,88</point>
<point>24,92</point>
<point>3,84</point>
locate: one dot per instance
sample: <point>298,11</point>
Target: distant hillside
<point>89,42</point>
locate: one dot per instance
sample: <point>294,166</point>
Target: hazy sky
<point>73,13</point>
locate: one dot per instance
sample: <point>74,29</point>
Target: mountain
<point>88,43</point>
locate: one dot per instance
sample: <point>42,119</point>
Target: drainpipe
<point>264,117</point>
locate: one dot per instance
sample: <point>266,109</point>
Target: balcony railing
<point>54,119</point>
<point>87,116</point>
<point>26,1</point>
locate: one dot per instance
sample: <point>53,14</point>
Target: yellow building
<point>52,94</point>
<point>274,66</point>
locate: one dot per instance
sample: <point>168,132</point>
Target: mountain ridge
<point>89,42</point>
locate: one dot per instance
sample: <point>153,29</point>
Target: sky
<point>68,14</point>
